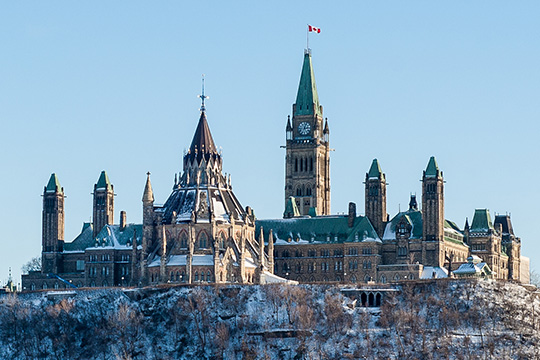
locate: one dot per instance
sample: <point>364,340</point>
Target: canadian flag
<point>314,29</point>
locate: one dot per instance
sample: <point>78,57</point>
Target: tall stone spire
<point>53,226</point>
<point>103,213</point>
<point>148,194</point>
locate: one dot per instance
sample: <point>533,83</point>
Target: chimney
<point>122,220</point>
<point>352,214</point>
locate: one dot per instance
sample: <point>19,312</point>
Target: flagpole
<point>307,38</point>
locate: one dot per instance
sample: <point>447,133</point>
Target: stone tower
<point>307,169</point>
<point>53,226</point>
<point>103,213</point>
<point>375,200</point>
<point>433,214</point>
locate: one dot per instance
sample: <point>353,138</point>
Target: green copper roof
<point>54,184</point>
<point>481,221</point>
<point>291,210</point>
<point>375,169</point>
<point>432,169</point>
<point>321,229</point>
<point>307,97</point>
<point>413,217</point>
<point>104,182</point>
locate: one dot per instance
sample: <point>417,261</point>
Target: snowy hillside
<point>424,320</point>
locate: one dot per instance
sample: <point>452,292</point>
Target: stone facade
<point>201,234</point>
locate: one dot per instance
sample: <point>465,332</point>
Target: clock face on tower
<point>304,128</point>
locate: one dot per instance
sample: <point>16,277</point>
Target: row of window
<point>181,276</point>
<point>326,252</point>
<point>301,164</point>
<point>93,271</point>
<point>325,266</point>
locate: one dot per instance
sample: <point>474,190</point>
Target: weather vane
<point>202,96</point>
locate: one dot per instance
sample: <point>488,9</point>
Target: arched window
<point>208,276</point>
<point>308,191</point>
<point>56,285</point>
<point>298,192</point>
<point>33,287</point>
<point>178,276</point>
<point>183,240</point>
<point>203,240</point>
<point>172,276</point>
<point>183,278</point>
<point>196,276</point>
<point>305,164</point>
<point>295,164</point>
<point>367,278</point>
<point>311,164</point>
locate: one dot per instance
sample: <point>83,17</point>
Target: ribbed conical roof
<point>202,143</point>
<point>307,99</point>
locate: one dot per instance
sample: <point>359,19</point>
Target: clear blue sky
<point>91,86</point>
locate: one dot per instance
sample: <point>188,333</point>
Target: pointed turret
<point>148,194</point>
<point>103,182</point>
<point>307,99</point>
<point>289,129</point>
<point>413,204</point>
<point>103,213</point>
<point>53,226</point>
<point>432,169</point>
<point>271,251</point>
<point>375,170</point>
<point>54,185</point>
<point>375,197</point>
<point>261,248</point>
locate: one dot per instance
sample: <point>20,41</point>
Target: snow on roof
<point>202,260</point>
<point>269,278</point>
<point>433,272</point>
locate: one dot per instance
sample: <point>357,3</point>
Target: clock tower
<point>307,164</point>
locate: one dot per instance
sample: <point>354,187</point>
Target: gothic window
<point>308,191</point>
<point>402,251</point>
<point>383,279</point>
<point>353,251</point>
<point>298,192</point>
<point>301,164</point>
<point>367,278</point>
<point>196,276</point>
<point>295,164</point>
<point>203,240</point>
<point>208,276</point>
<point>305,164</point>
<point>286,254</point>
<point>298,253</point>
<point>311,164</point>
<point>183,240</point>
<point>312,253</point>
<point>366,251</point>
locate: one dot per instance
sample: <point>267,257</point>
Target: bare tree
<point>33,265</point>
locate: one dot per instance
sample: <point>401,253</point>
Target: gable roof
<point>414,217</point>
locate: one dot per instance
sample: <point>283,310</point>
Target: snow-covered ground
<point>442,319</point>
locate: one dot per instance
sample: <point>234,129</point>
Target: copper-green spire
<point>104,182</point>
<point>307,99</point>
<point>432,169</point>
<point>375,170</point>
<point>54,185</point>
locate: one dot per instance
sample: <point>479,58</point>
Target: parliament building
<point>202,233</point>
